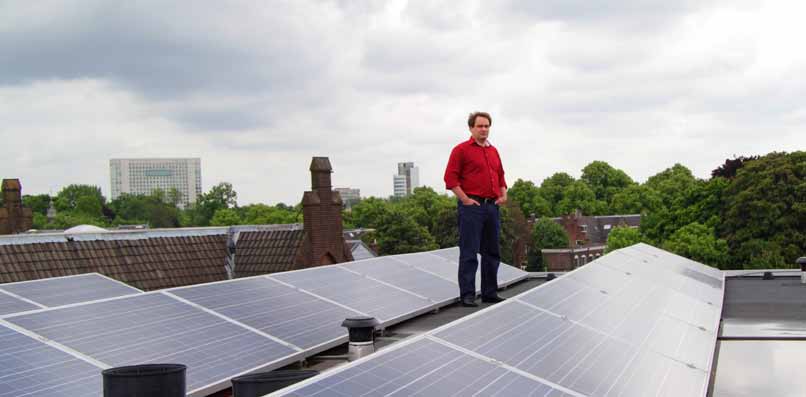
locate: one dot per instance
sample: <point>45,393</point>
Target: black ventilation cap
<point>360,322</point>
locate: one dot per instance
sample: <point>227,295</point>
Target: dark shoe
<point>492,299</point>
<point>469,302</point>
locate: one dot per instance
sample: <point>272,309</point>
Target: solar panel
<point>58,291</point>
<point>156,328</point>
<point>445,262</point>
<point>434,264</point>
<point>276,309</point>
<point>29,367</point>
<point>637,323</point>
<point>399,273</point>
<point>12,304</point>
<point>425,368</point>
<point>449,254</point>
<point>357,292</point>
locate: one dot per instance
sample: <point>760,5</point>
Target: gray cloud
<point>256,89</point>
<point>161,51</point>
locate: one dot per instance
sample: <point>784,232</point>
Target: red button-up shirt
<point>476,169</point>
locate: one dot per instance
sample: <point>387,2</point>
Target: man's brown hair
<point>471,120</point>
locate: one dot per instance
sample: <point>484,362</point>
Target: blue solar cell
<point>155,328</point>
<point>405,276</point>
<point>274,308</point>
<point>10,304</point>
<point>356,292</point>
<point>579,358</point>
<point>60,291</point>
<point>29,367</point>
<point>425,368</point>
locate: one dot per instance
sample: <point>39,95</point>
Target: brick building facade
<point>587,239</point>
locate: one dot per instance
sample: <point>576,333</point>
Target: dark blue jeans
<point>478,234</point>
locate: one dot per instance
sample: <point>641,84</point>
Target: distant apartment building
<point>349,196</point>
<point>143,176</point>
<point>407,178</point>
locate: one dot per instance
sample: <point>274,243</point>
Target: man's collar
<point>486,142</point>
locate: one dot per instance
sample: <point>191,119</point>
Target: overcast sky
<point>255,89</point>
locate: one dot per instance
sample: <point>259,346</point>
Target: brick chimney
<point>321,208</point>
<point>13,217</point>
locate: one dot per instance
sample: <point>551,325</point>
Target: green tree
<point>446,226</point>
<point>622,236</point>
<point>529,199</point>
<point>174,197</point>
<point>700,201</point>
<point>672,183</point>
<point>262,214</point>
<point>765,209</point>
<point>698,242</point>
<point>398,233</point>
<point>220,196</point>
<point>151,209</point>
<point>546,234</point>
<point>760,254</point>
<point>578,195</point>
<point>67,198</point>
<point>370,212</point>
<point>553,190</point>
<point>40,221</point>
<point>636,199</point>
<point>89,205</point>
<point>68,219</point>
<point>605,180</point>
<point>38,203</point>
<point>225,217</point>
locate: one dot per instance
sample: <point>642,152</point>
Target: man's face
<point>481,129</point>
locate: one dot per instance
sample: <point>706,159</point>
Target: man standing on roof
<point>476,176</point>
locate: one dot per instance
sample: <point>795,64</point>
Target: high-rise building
<point>143,176</point>
<point>407,178</point>
<point>349,196</point>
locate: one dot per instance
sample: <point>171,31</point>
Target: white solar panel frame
<point>384,323</point>
<point>135,291</point>
<point>309,351</point>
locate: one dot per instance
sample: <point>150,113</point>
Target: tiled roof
<point>148,264</point>
<point>263,252</point>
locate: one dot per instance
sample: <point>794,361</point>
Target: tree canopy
<point>751,212</point>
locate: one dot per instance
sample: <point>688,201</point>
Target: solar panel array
<point>219,330</point>
<point>637,322</point>
<point>59,291</point>
<point>29,367</point>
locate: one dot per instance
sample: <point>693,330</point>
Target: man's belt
<point>482,200</point>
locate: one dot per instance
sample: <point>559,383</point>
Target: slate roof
<point>267,251</point>
<point>360,250</point>
<point>146,263</point>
